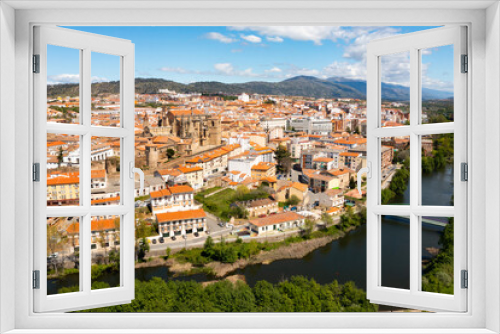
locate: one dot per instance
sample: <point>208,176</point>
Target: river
<point>342,260</point>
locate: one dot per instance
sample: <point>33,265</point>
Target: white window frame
<point>482,315</point>
<point>86,44</point>
<point>413,44</point>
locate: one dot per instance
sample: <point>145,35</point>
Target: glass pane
<point>63,85</point>
<point>105,245</point>
<point>437,254</point>
<point>395,89</point>
<point>437,169</point>
<point>105,89</point>
<point>105,171</point>
<point>395,170</point>
<point>437,84</point>
<point>395,252</point>
<point>63,169</point>
<point>63,256</point>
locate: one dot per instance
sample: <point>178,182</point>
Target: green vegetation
<point>283,159</point>
<point>398,185</point>
<point>442,153</point>
<point>292,201</point>
<point>142,198</point>
<point>170,153</point>
<point>142,249</point>
<point>144,229</point>
<point>438,111</point>
<point>298,294</point>
<point>219,204</point>
<point>352,219</point>
<point>231,252</point>
<point>438,273</point>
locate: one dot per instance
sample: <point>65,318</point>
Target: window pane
<point>105,247</point>
<point>437,84</point>
<point>437,261</point>
<point>105,89</point>
<point>395,89</point>
<point>395,252</point>
<point>63,85</point>
<point>437,170</point>
<point>105,171</point>
<point>63,169</point>
<point>63,256</point>
<point>395,170</point>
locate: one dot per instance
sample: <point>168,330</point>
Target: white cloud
<point>251,38</point>
<point>275,39</point>
<point>63,79</point>
<point>99,79</point>
<point>71,79</point>
<point>236,50</point>
<point>274,70</point>
<point>225,68</point>
<point>179,70</point>
<point>229,70</point>
<point>311,33</point>
<point>219,37</point>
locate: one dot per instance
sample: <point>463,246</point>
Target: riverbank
<point>219,269</point>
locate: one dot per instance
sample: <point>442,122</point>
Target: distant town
<point>224,170</point>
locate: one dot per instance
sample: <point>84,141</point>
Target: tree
<point>292,201</point>
<point>170,153</point>
<point>60,156</point>
<point>348,129</point>
<point>352,183</point>
<point>309,225</point>
<point>53,243</point>
<point>168,251</point>
<point>143,249</point>
<point>327,219</point>
<point>283,159</point>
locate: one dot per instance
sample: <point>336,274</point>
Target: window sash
<point>413,297</point>
<point>86,297</point>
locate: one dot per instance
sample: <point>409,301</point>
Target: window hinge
<point>465,64</point>
<point>36,279</point>
<point>36,63</point>
<point>465,279</point>
<point>464,171</point>
<point>36,172</point>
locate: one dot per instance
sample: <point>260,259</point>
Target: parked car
<point>196,234</point>
<point>173,238</point>
<point>221,224</point>
<point>161,240</point>
<point>154,241</point>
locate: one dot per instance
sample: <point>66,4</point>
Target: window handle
<point>368,171</point>
<point>139,171</point>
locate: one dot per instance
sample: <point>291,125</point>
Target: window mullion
<point>85,103</point>
<point>414,168</point>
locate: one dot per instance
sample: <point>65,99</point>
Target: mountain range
<point>306,86</point>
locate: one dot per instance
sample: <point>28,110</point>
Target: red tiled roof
<point>276,219</point>
<point>180,215</point>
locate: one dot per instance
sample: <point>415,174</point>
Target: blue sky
<point>242,54</point>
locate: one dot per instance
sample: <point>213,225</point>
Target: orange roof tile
<point>105,200</point>
<point>276,219</point>
<point>180,215</point>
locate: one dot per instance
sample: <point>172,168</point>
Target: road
<point>213,227</point>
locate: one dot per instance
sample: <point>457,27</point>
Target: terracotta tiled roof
<point>300,186</point>
<point>180,215</point>
<point>349,154</point>
<point>105,200</point>
<point>276,219</point>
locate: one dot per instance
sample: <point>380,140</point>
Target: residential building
<point>278,222</point>
<point>181,222</point>
<point>259,207</point>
